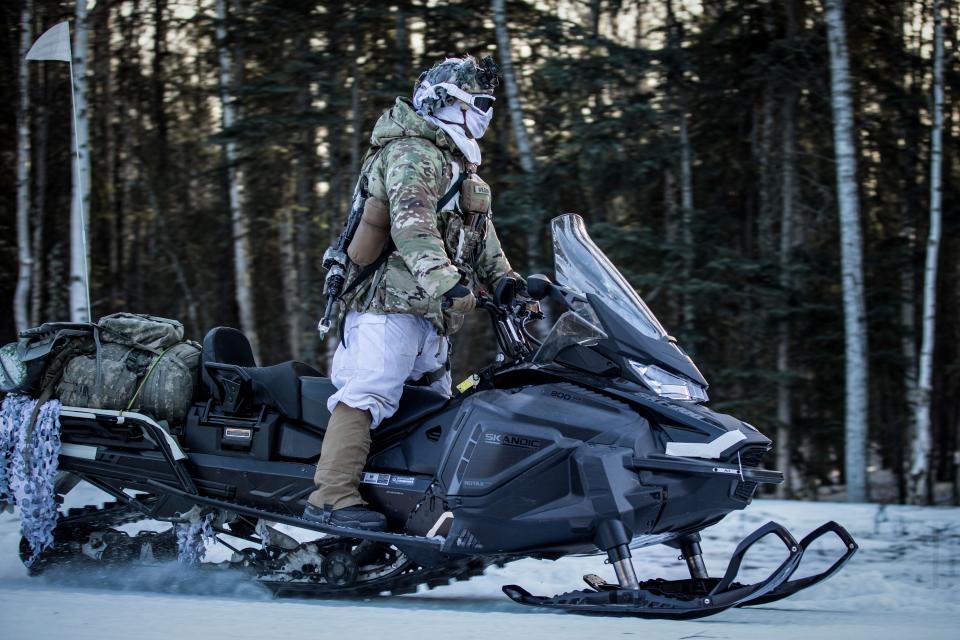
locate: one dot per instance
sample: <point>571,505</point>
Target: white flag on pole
<point>54,44</point>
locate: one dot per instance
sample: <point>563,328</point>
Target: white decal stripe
<point>78,451</point>
<point>439,523</point>
<point>710,450</point>
<point>92,414</point>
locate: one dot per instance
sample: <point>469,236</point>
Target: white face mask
<point>473,123</point>
<point>477,123</point>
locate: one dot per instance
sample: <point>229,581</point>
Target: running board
<point>695,598</point>
<point>398,539</point>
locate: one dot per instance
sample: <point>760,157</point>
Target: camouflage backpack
<point>142,365</point>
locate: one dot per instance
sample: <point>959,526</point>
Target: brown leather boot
<point>343,455</point>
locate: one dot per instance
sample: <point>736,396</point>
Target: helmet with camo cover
<point>464,73</point>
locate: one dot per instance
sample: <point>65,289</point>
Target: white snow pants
<point>382,352</point>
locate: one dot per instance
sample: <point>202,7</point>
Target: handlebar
<point>509,324</point>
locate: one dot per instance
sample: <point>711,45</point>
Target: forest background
<point>695,137</point>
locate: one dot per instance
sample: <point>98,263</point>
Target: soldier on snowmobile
<point>425,241</point>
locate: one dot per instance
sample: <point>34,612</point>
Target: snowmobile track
<point>79,522</point>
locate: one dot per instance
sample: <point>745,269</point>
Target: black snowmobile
<point>595,439</point>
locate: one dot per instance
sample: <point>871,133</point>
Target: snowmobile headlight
<point>668,385</point>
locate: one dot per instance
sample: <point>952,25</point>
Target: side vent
<point>745,490</point>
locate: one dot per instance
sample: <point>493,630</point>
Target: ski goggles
<point>480,102</point>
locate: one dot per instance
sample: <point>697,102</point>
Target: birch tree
<point>515,105</point>
<point>675,42</point>
<point>919,464</point>
<point>295,231</point>
<point>39,206</point>
<point>229,74</point>
<point>851,255</point>
<point>686,215</point>
<point>79,258</point>
<point>21,296</point>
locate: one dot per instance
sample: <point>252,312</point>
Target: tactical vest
<point>466,220</point>
<point>462,215</point>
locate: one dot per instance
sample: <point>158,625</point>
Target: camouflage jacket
<point>411,167</point>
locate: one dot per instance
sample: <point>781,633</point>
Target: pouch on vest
<point>474,196</point>
<point>372,233</point>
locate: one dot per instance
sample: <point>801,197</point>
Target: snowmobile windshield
<point>581,266</point>
<point>580,326</point>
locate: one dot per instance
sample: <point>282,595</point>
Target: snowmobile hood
<point>401,121</point>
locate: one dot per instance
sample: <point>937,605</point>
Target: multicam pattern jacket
<point>412,169</point>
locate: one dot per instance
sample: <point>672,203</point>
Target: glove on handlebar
<point>459,299</point>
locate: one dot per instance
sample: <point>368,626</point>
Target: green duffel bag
<point>157,383</point>
<point>111,385</point>
<point>168,385</point>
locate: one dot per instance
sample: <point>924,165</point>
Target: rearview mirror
<point>539,286</point>
<point>506,291</point>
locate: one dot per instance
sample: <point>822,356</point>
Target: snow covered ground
<point>903,583</point>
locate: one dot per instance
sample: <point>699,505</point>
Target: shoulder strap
<point>372,268</point>
<point>448,196</point>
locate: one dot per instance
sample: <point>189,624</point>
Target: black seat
<point>277,386</point>
<point>415,404</point>
<point>227,346</point>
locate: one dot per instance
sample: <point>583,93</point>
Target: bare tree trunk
<point>515,105</point>
<point>514,102</point>
<point>79,257</point>
<point>595,10</point>
<point>784,386</point>
<point>670,234</point>
<point>288,268</point>
<point>20,307</point>
<point>106,135</point>
<point>401,42</point>
<point>301,217</point>
<point>757,316</point>
<point>304,234</point>
<point>908,345</point>
<point>356,122</point>
<point>679,108</point>
<point>39,207</point>
<point>765,209</point>
<point>190,300</point>
<point>920,450</point>
<point>785,442</point>
<point>240,224</point>
<point>686,216</point>
<point>851,253</point>
<point>333,205</point>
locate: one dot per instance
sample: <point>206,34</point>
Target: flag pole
<point>76,137</point>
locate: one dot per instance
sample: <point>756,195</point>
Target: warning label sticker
<point>376,478</point>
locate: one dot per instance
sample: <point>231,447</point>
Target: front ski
<point>791,587</point>
<point>681,599</point>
